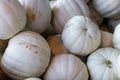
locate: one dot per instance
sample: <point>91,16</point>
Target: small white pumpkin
<point>32,79</point>
<point>81,35</point>
<point>106,39</point>
<point>109,9</point>
<point>38,13</point>
<point>13,18</point>
<point>116,37</point>
<point>66,67</point>
<point>63,10</point>
<point>102,64</point>
<point>27,55</point>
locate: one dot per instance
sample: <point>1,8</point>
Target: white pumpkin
<point>81,36</point>
<point>116,37</point>
<point>32,79</point>
<point>38,13</point>
<point>66,67</point>
<point>113,24</point>
<point>13,18</point>
<point>102,64</point>
<point>63,10</point>
<point>106,39</point>
<point>27,55</point>
<point>109,9</point>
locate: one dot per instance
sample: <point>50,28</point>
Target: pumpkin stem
<point>108,63</point>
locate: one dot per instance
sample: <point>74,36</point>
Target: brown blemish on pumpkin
<point>33,45</point>
<point>85,29</point>
<point>30,14</point>
<point>89,36</point>
<point>36,52</point>
<point>26,46</point>
<point>21,43</point>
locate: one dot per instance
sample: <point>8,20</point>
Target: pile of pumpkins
<point>59,40</point>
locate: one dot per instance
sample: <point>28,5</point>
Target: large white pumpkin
<point>66,67</point>
<point>81,35</point>
<point>27,55</point>
<point>63,10</point>
<point>38,13</point>
<point>109,9</point>
<point>12,18</point>
<point>102,64</point>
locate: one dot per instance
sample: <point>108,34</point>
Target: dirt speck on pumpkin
<point>36,52</point>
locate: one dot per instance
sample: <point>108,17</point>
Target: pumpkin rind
<point>81,35</point>
<point>102,64</point>
<point>27,55</point>
<point>66,67</point>
<point>38,14</point>
<point>63,10</point>
<point>13,18</point>
<point>109,9</point>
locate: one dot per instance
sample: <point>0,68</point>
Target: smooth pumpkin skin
<point>66,67</point>
<point>13,18</point>
<point>38,14</point>
<point>63,10</point>
<point>81,36</point>
<point>27,55</point>
<point>102,64</point>
<point>109,9</point>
